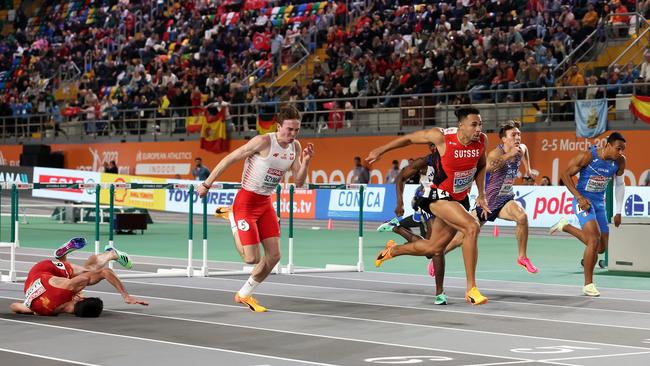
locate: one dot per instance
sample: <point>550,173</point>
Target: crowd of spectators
<point>139,58</point>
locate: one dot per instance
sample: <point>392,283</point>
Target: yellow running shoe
<point>223,212</point>
<point>385,254</point>
<point>474,297</point>
<point>250,302</point>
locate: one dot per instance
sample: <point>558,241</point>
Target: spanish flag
<point>195,122</point>
<point>213,132</point>
<point>640,107</point>
<point>266,123</point>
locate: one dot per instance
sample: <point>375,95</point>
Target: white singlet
<point>262,175</point>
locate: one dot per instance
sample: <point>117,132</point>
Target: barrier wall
<point>544,205</point>
<point>333,159</point>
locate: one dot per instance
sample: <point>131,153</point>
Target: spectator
<point>546,181</point>
<point>360,173</point>
<point>200,172</point>
<point>646,182</point>
<point>392,173</point>
<point>111,167</point>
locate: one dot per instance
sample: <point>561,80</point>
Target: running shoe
<point>474,297</point>
<point>72,245</point>
<point>223,212</point>
<point>602,264</point>
<point>122,257</point>
<point>441,299</point>
<point>527,265</point>
<point>385,254</point>
<point>388,225</point>
<point>590,290</point>
<point>559,225</point>
<point>431,269</point>
<point>250,302</point>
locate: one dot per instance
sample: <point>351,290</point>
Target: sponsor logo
<point>44,178</point>
<point>554,205</point>
<point>14,177</point>
<point>521,199</point>
<point>276,172</point>
<point>346,200</point>
<point>221,198</point>
<point>634,206</point>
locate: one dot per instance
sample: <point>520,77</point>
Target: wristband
<point>205,185</point>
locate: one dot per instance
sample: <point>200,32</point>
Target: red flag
<point>262,41</point>
<point>266,124</point>
<point>213,132</point>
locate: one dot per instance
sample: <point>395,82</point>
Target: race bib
<point>272,177</point>
<point>33,292</point>
<point>596,184</point>
<point>463,180</point>
<point>506,187</point>
<point>434,193</point>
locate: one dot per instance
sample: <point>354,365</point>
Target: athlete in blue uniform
<point>503,164</point>
<point>596,168</point>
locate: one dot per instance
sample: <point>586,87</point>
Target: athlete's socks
<point>248,287</point>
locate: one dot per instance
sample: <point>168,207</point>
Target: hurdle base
<point>328,268</point>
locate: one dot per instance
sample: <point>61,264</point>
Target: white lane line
<point>484,289</point>
<point>165,342</point>
<point>380,321</point>
<point>46,357</point>
<point>596,356</point>
<point>402,307</point>
<point>451,297</point>
<point>347,339</point>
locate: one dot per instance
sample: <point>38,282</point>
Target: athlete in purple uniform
<point>502,167</point>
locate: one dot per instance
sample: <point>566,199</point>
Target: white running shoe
<point>559,225</point>
<point>590,290</point>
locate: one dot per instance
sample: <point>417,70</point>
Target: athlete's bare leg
<point>251,253</point>
<point>512,211</point>
<point>269,260</point>
<point>590,236</point>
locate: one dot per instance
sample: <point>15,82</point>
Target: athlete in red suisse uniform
<point>268,158</point>
<point>460,161</point>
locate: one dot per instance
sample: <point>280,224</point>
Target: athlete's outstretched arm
<point>256,144</point>
<point>404,175</point>
<point>619,190</point>
<point>479,178</point>
<point>80,282</point>
<point>575,165</point>
<point>300,166</point>
<point>432,135</point>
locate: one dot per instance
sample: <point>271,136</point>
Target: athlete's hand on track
<point>481,202</point>
<point>617,220</point>
<point>134,300</point>
<point>584,203</point>
<point>307,152</point>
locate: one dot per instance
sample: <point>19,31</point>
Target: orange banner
<point>333,157</point>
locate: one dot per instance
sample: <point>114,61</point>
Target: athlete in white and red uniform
<point>461,161</point>
<point>268,158</point>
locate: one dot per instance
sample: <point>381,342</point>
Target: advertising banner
<point>177,200</point>
<point>343,204</point>
<point>52,175</point>
<point>153,199</point>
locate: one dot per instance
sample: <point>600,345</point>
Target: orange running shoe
<point>474,297</point>
<point>250,302</point>
<point>223,212</point>
<point>385,254</point>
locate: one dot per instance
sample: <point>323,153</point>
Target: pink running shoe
<point>72,245</point>
<point>431,269</point>
<point>527,265</point>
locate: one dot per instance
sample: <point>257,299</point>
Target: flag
<point>195,122</point>
<point>213,132</point>
<point>262,41</point>
<point>266,123</point>
<point>640,107</point>
<point>591,117</point>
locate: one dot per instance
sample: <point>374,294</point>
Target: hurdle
<point>12,244</point>
<point>358,267</point>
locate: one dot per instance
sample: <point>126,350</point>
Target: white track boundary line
<point>316,335</point>
<point>399,306</point>
<point>381,322</point>
<point>597,356</point>
<point>490,289</point>
<point>46,357</point>
<point>165,342</point>
<point>428,296</point>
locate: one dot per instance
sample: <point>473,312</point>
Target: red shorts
<point>52,298</point>
<point>254,217</point>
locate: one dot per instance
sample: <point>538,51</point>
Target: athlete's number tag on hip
<point>33,292</point>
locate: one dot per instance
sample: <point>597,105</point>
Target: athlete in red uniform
<point>268,158</point>
<point>461,161</point>
<point>53,286</point>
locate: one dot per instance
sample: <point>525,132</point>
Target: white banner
<point>177,200</point>
<point>348,200</point>
<point>52,175</point>
<point>546,205</point>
